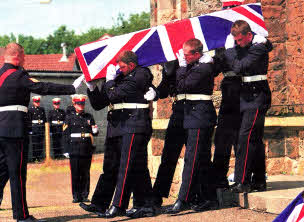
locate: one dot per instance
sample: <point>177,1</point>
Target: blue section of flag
<point>146,53</point>
<point>288,210</point>
<point>216,31</point>
<point>91,55</point>
<point>256,8</point>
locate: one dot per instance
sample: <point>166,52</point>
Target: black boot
<point>92,208</point>
<point>113,211</point>
<point>240,188</point>
<point>205,205</point>
<point>179,206</point>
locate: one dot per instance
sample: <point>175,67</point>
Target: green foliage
<point>52,44</point>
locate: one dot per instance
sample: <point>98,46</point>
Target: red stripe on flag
<point>83,64</point>
<point>250,16</point>
<point>301,215</point>
<point>128,46</point>
<point>178,33</point>
<point>230,3</point>
<point>5,75</point>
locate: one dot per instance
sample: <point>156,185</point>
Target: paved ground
<point>49,197</point>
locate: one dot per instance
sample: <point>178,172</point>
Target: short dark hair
<point>196,45</point>
<point>127,57</point>
<point>240,26</point>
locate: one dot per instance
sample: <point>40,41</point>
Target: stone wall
<point>284,143</point>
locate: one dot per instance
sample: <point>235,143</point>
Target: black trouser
<point>226,134</point>
<point>3,174</point>
<point>124,168</point>
<point>15,152</point>
<point>197,163</point>
<point>37,142</point>
<point>57,141</point>
<point>175,138</point>
<point>80,174</point>
<point>250,156</point>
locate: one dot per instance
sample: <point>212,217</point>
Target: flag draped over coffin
<point>161,43</point>
<point>294,212</point>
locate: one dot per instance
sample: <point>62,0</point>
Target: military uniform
<point>79,139</point>
<point>15,89</point>
<point>56,118</point>
<point>37,117</point>
<point>255,98</point>
<point>128,132</point>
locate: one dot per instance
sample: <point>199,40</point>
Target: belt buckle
<point>58,121</point>
<point>39,121</point>
<point>82,135</point>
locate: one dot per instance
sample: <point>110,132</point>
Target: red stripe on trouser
<point>123,185</point>
<point>244,172</point>
<point>22,198</point>
<point>198,132</point>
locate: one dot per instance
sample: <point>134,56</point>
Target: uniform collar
<point>11,66</point>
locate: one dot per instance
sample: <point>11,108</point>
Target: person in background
<point>37,118</point>
<point>55,119</point>
<point>79,129</point>
<point>70,108</point>
<point>15,89</point>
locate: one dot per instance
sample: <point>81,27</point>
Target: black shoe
<point>143,212</point>
<point>240,188</point>
<point>112,212</point>
<point>205,205</point>
<point>92,208</point>
<point>76,200</point>
<point>132,211</point>
<point>178,207</point>
<point>157,201</point>
<point>30,218</point>
<point>259,187</point>
<point>85,199</point>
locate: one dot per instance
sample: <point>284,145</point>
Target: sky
<point>30,17</point>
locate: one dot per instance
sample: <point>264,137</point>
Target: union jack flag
<point>161,43</point>
<point>294,212</point>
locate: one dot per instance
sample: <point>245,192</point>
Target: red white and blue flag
<point>294,212</point>
<point>161,43</point>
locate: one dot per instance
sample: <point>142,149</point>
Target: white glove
<point>66,155</point>
<point>95,129</point>
<point>257,39</point>
<point>91,86</point>
<point>30,133</point>
<point>111,73</point>
<point>181,58</point>
<point>150,95</point>
<point>231,177</point>
<point>230,42</point>
<point>78,81</point>
<point>206,58</point>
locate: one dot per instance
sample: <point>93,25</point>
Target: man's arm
<point>98,98</point>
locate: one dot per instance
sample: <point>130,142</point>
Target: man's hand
<point>150,95</point>
<point>78,81</point>
<point>94,129</point>
<point>66,155</point>
<point>257,39</point>
<point>206,58</point>
<point>181,58</point>
<point>230,42</point>
<point>91,86</point>
<point>111,73</point>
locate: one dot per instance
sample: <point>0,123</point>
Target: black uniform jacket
<point>57,115</point>
<point>80,123</point>
<point>125,89</point>
<point>250,61</point>
<point>36,114</point>
<point>16,90</point>
<point>197,78</point>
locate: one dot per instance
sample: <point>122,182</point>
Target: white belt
<point>193,97</point>
<point>37,121</point>
<point>128,106</point>
<point>57,122</point>
<point>254,78</point>
<point>74,135</point>
<point>13,108</point>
